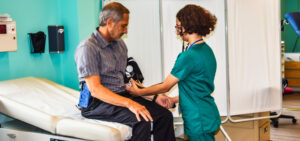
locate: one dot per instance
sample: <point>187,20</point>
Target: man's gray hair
<point>112,10</point>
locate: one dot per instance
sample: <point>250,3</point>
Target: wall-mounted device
<point>8,36</point>
<point>56,39</point>
<point>37,42</point>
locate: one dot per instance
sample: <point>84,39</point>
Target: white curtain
<point>254,55</point>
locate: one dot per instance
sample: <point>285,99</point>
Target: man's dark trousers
<point>163,129</point>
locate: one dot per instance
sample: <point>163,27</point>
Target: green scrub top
<point>196,68</point>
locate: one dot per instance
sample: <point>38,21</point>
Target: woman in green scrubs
<point>194,71</point>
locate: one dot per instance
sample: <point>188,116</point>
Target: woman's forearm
<point>153,90</point>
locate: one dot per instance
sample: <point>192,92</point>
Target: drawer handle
<point>266,129</point>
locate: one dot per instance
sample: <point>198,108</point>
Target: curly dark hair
<point>196,19</point>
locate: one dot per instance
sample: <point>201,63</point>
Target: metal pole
<point>227,59</point>
<point>227,138</point>
<point>161,40</point>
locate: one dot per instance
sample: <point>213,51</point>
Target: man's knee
<point>141,131</point>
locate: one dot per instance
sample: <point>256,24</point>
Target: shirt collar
<point>102,41</point>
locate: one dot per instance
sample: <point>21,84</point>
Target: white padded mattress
<point>51,107</point>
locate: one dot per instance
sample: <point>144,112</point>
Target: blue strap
<point>195,43</point>
<point>85,95</point>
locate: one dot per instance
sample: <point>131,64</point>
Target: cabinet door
<point>264,132</point>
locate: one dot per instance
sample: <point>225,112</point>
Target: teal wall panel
<point>30,16</point>
<point>79,18</point>
<point>69,18</point>
<point>88,17</point>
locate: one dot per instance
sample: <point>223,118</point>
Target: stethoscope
<point>188,47</point>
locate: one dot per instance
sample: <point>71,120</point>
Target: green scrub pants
<point>203,137</point>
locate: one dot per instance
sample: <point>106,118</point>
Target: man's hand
<point>165,101</point>
<point>138,110</point>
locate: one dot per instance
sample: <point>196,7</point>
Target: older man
<point>101,61</point>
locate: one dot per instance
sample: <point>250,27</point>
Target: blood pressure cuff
<point>133,71</point>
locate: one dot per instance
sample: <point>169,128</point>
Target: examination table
<point>52,107</point>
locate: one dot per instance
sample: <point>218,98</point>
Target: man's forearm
<point>102,93</point>
<point>110,97</point>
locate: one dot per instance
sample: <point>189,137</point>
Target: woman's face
<point>179,29</point>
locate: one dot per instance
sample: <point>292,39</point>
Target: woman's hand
<point>165,101</point>
<point>133,89</point>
